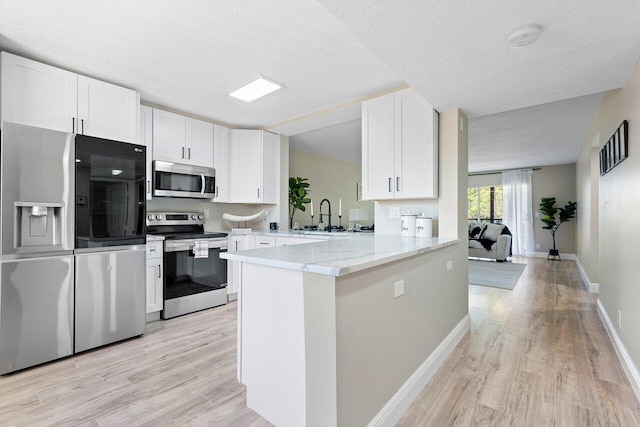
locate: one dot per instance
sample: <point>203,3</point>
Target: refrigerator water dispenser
<point>39,225</point>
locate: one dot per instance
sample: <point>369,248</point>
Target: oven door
<point>185,274</point>
<point>177,180</point>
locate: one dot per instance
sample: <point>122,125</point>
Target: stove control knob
<point>194,217</point>
<point>151,217</point>
<point>158,217</point>
<point>200,217</point>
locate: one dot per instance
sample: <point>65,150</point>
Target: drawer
<point>265,241</point>
<point>154,250</point>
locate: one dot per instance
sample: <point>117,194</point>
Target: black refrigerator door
<point>110,193</point>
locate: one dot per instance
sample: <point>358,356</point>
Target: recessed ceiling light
<point>524,36</point>
<point>256,88</point>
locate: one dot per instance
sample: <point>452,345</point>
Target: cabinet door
<point>378,148</point>
<point>145,137</point>
<point>221,163</point>
<point>39,95</point>
<point>169,136</point>
<point>154,285</point>
<point>106,110</point>
<point>246,166</point>
<point>199,142</point>
<point>270,168</point>
<point>416,156</point>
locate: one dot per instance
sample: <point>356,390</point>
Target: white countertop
<point>340,255</point>
<point>294,233</point>
<point>154,238</point>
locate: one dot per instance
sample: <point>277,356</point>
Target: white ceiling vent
<point>524,36</point>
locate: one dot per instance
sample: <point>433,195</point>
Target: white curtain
<point>517,209</point>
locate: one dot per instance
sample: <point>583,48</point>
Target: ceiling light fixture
<point>115,172</point>
<point>256,88</point>
<point>524,36</point>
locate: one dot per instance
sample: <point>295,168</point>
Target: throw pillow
<point>476,232</point>
<point>492,231</point>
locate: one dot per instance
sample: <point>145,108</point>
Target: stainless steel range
<point>195,277</point>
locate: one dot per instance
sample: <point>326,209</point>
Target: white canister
<point>408,225</point>
<point>424,227</point>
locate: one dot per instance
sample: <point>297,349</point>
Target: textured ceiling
<point>549,134</point>
<point>189,55</point>
<point>330,54</point>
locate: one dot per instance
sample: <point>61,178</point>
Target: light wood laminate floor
<point>537,355</point>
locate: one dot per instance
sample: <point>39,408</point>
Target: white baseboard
<point>566,257</point>
<point>232,297</point>
<point>400,402</point>
<point>625,359</point>
<point>594,288</point>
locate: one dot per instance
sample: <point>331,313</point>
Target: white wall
<point>619,204</point>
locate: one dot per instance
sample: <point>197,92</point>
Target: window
<point>485,204</point>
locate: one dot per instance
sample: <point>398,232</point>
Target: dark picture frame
<point>615,150</point>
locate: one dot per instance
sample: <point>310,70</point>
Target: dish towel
<point>201,249</point>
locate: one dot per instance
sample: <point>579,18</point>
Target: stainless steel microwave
<point>180,180</point>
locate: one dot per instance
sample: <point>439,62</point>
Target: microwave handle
<point>204,181</point>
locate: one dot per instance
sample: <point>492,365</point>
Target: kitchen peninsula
<point>339,332</point>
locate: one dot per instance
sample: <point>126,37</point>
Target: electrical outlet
<point>394,212</point>
<point>206,213</point>
<point>537,245</point>
<point>449,265</point>
<point>398,289</point>
<point>619,319</point>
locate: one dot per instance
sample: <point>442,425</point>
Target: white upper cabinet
<point>106,110</point>
<point>254,166</point>
<point>399,147</point>
<point>40,95</point>
<point>145,137</point>
<point>199,142</point>
<point>221,159</point>
<point>181,139</point>
<point>169,136</point>
<point>37,94</point>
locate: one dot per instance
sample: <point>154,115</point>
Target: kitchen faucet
<point>329,214</point>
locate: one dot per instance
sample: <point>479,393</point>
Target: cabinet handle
<point>159,273</point>
<point>264,243</point>
<point>189,155</point>
<point>183,152</point>
<point>258,194</point>
<point>82,125</point>
<point>236,242</point>
<point>397,183</point>
<point>73,125</point>
<point>216,191</point>
<point>389,184</point>
<point>148,186</point>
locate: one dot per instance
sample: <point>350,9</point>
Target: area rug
<point>503,275</point>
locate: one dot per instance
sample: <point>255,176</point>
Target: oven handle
<point>188,246</point>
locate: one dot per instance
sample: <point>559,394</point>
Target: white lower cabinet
<point>288,241</point>
<point>154,277</point>
<point>234,272</point>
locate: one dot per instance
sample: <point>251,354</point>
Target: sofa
<point>488,240</point>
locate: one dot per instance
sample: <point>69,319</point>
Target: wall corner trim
<point>395,408</point>
<point>593,288</point>
<point>625,358</point>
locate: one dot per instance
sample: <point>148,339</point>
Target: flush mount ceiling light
<point>256,88</point>
<point>524,36</point>
<point>115,172</point>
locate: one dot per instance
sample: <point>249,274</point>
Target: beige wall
<point>559,182</point>
<point>619,204</point>
<point>331,179</point>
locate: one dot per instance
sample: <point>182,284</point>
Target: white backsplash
<point>387,225</point>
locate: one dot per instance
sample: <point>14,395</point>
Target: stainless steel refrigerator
<point>72,262</point>
<point>37,261</point>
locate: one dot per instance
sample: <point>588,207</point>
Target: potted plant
<point>549,211</point>
<point>298,191</point>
